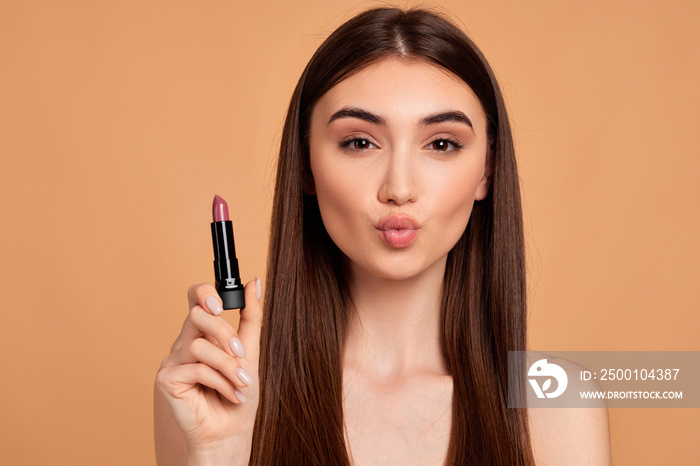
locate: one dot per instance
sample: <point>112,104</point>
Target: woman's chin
<point>399,269</point>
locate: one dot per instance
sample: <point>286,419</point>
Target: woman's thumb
<point>251,318</point>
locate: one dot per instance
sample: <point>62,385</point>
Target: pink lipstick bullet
<point>228,278</point>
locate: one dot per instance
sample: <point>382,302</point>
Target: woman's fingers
<point>203,321</point>
<point>178,380</point>
<point>204,378</point>
<point>200,323</point>
<point>251,319</point>
<point>203,351</point>
<point>205,295</point>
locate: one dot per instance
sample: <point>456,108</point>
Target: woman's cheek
<point>456,201</point>
<point>335,196</point>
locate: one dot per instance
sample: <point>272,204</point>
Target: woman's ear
<point>485,183</point>
<point>308,183</point>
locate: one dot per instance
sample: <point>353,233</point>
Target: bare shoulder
<point>571,436</point>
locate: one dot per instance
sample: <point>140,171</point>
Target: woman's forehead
<point>398,87</point>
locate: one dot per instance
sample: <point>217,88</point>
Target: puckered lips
<point>398,230</point>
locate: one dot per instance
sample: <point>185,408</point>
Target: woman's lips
<point>398,231</point>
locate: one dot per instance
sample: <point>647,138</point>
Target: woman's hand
<point>209,380</point>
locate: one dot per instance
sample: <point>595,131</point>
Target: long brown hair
<point>300,417</point>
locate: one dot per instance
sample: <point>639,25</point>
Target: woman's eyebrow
<point>455,116</point>
<point>354,112</point>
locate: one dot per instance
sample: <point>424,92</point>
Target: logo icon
<point>542,368</point>
<point>230,282</point>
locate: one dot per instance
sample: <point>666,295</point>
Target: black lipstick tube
<point>228,278</point>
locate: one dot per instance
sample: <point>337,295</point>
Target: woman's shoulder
<point>570,436</point>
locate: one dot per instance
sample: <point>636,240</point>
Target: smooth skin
<point>199,391</point>
<point>400,137</point>
<point>404,157</point>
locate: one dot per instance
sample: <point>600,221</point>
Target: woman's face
<point>398,156</point>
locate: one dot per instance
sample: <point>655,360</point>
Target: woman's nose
<point>398,180</point>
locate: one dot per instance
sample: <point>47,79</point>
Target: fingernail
<point>241,397</point>
<point>237,347</point>
<point>214,305</point>
<point>244,376</point>
<point>258,288</point>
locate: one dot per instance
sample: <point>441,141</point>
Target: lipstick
<point>228,278</point>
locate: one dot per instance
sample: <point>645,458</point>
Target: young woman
<point>395,284</point>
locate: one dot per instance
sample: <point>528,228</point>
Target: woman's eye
<point>444,145</point>
<point>358,144</point>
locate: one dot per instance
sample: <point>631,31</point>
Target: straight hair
<point>483,316</point>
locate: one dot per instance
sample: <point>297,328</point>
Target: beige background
<point>119,121</point>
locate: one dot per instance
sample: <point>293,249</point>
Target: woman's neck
<point>394,326</point>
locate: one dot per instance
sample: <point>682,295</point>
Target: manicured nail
<point>214,305</point>
<point>237,347</point>
<point>258,288</point>
<point>241,397</point>
<point>244,376</point>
